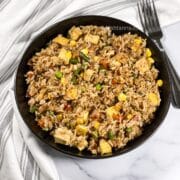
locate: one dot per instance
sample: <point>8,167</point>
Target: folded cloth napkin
<point>22,156</point>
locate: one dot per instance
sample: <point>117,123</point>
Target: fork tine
<point>141,16</point>
<point>153,18</point>
<point>155,15</point>
<point>148,15</point>
<point>144,12</point>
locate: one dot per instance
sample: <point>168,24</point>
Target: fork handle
<point>174,78</point>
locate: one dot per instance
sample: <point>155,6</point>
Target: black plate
<point>118,27</point>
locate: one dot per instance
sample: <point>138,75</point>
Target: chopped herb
<point>84,66</point>
<point>83,89</point>
<point>129,129</point>
<point>68,125</point>
<point>73,61</point>
<point>83,56</point>
<point>78,71</point>
<point>104,64</point>
<point>58,74</point>
<point>95,134</point>
<point>98,87</point>
<point>75,75</point>
<point>32,109</point>
<point>111,135</point>
<point>101,67</point>
<point>51,113</point>
<point>72,124</point>
<point>74,79</point>
<point>134,75</point>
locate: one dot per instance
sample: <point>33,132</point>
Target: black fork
<point>151,26</point>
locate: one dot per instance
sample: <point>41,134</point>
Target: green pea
<point>129,129</point>
<point>98,87</point>
<point>58,74</point>
<point>51,113</point>
<point>74,79</point>
<point>111,135</point>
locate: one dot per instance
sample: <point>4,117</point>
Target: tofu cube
<point>61,40</point>
<point>88,74</point>
<point>82,144</point>
<point>75,32</point>
<point>63,136</point>
<point>142,65</point>
<point>94,39</point>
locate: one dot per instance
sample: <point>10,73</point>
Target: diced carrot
<point>67,107</point>
<point>114,81</point>
<point>41,123</point>
<point>104,63</point>
<point>118,117</point>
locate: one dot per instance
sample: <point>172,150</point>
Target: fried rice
<point>93,90</point>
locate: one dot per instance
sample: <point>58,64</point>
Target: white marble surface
<point>157,159</point>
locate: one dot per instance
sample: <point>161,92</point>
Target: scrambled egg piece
<point>72,43</point>
<point>96,124</point>
<point>96,58</point>
<point>83,117</point>
<point>111,111</point>
<point>136,44</point>
<point>65,55</point>
<point>129,116</point>
<point>81,129</point>
<point>85,51</point>
<point>64,81</point>
<point>118,106</point>
<point>71,93</point>
<point>122,97</point>
<point>105,147</point>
